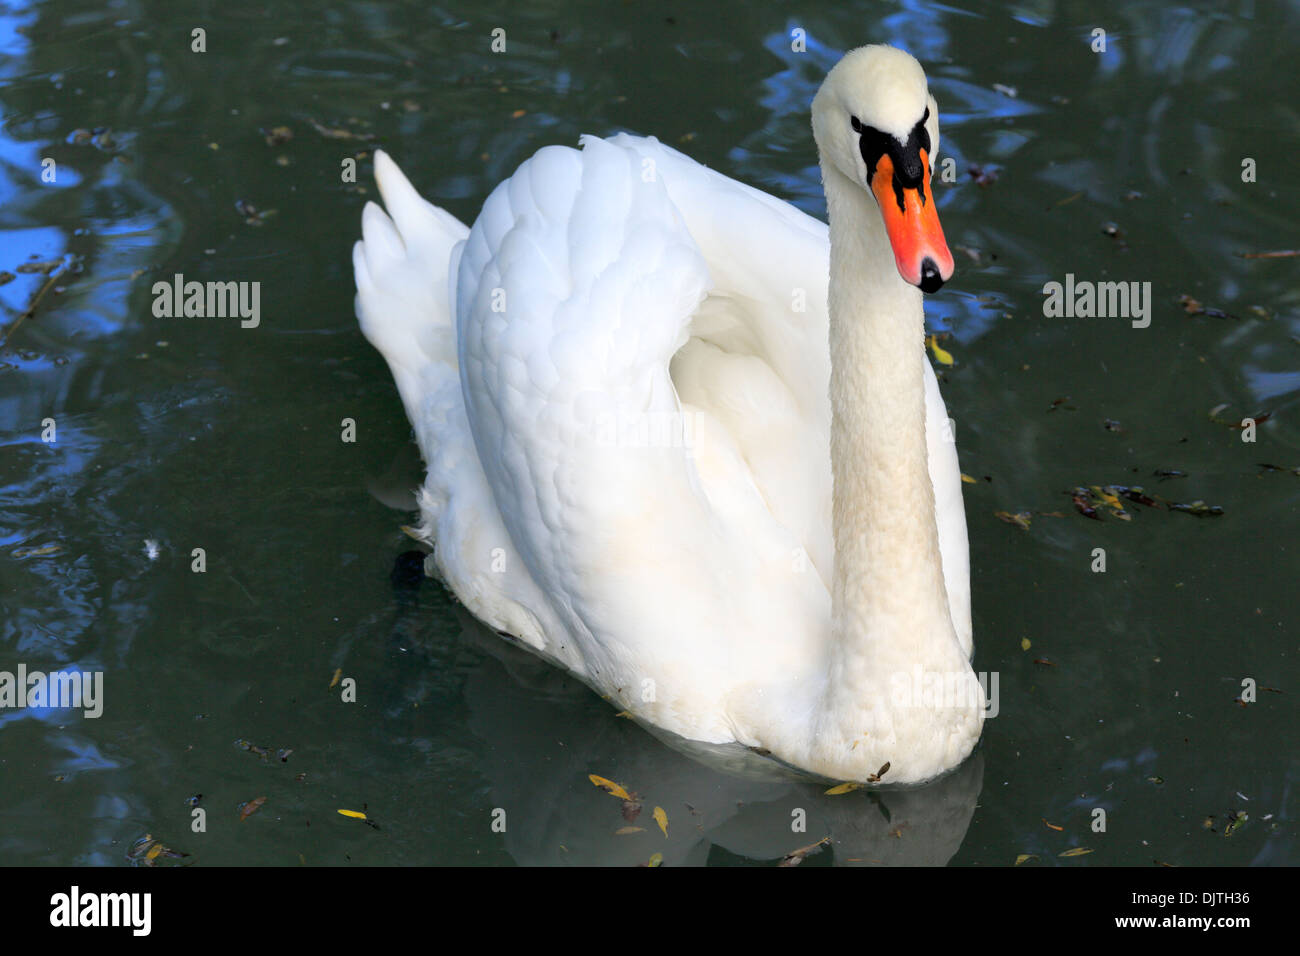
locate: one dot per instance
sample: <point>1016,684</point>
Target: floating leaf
<point>1083,504</point>
<point>338,674</point>
<point>1194,307</point>
<point>942,356</point>
<point>147,851</point>
<point>1274,254</point>
<point>795,857</point>
<point>277,135</point>
<point>354,814</point>
<point>1025,644</point>
<point>1075,851</point>
<point>609,786</point>
<point>656,860</point>
<point>843,788</point>
<point>624,831</point>
<point>1108,496</point>
<point>1024,857</point>
<point>252,748</point>
<point>1020,519</point>
<point>44,267</point>
<point>41,552</point>
<point>967,478</point>
<point>1051,826</point>
<point>1136,493</point>
<point>332,132</point>
<point>246,810</point>
<point>1197,508</point>
<point>661,818</point>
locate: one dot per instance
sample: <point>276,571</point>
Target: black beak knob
<point>930,278</point>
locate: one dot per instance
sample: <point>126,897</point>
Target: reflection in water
<point>543,740</point>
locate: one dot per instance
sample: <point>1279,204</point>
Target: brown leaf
<point>246,810</point>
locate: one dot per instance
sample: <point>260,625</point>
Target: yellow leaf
<point>967,478</point>
<point>624,713</point>
<point>941,356</point>
<point>1020,519</point>
<point>154,851</point>
<point>1025,644</point>
<point>354,814</point>
<point>338,673</point>
<point>624,831</point>
<point>657,860</point>
<point>1107,497</point>
<point>1075,851</point>
<point>37,552</point>
<point>843,788</point>
<point>609,786</point>
<point>661,818</point>
<point>1026,856</point>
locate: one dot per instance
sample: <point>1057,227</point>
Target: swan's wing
<point>950,510</point>
<point>757,360</point>
<point>576,286</point>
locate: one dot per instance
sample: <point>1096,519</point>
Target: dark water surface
<point>1118,690</point>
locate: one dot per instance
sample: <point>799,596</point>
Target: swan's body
<point>620,381</point>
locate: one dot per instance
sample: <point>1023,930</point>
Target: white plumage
<point>619,381</point>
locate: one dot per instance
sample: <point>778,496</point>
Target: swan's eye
<point>905,158</point>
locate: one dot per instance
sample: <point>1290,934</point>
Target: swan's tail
<point>405,287</point>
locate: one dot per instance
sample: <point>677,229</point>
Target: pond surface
<point>1119,691</point>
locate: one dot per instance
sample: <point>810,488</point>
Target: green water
<point>1117,690</point>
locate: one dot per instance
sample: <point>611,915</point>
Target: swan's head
<point>875,121</point>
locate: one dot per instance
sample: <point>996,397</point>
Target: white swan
<point>620,381</point>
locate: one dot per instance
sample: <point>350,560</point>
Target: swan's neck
<point>889,605</point>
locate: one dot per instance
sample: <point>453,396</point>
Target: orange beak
<point>912,222</point>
